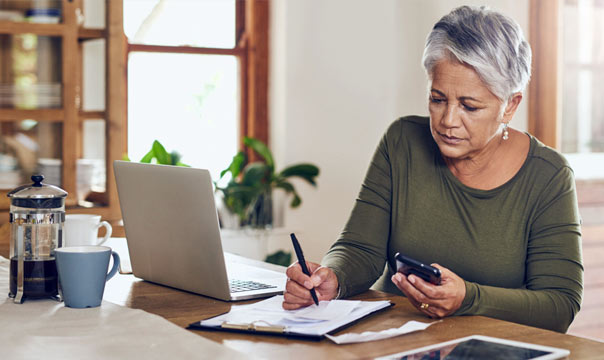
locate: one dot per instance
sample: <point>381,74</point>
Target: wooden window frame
<point>545,91</point>
<point>252,50</point>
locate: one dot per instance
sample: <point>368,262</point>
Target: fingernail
<point>411,279</point>
<point>308,284</point>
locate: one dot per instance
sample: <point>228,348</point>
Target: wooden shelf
<point>92,115</point>
<point>15,27</point>
<point>88,34</point>
<point>69,137</point>
<point>50,115</point>
<point>18,27</point>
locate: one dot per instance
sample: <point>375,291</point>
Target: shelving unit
<point>70,115</point>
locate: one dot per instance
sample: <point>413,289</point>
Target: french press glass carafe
<point>37,214</point>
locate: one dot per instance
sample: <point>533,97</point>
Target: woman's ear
<point>511,106</point>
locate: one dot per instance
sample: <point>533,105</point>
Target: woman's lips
<point>451,140</point>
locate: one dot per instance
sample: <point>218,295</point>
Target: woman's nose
<point>450,118</point>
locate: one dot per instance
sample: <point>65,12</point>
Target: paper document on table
<point>315,320</point>
<point>408,327</point>
<point>327,310</point>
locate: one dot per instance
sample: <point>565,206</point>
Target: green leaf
<point>296,201</point>
<point>255,173</point>
<point>289,188</point>
<point>236,165</point>
<point>161,154</point>
<point>307,172</point>
<point>125,157</point>
<point>174,158</point>
<point>250,181</point>
<point>148,157</point>
<point>279,257</point>
<point>262,150</point>
<point>238,198</point>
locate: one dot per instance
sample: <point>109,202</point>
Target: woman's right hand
<point>297,289</point>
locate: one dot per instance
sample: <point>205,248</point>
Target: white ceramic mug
<point>83,229</point>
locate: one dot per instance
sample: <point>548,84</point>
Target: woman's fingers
<point>325,283</point>
<point>406,284</point>
<point>430,290</point>
<point>441,300</point>
<point>455,289</point>
<point>414,287</point>
<point>293,289</point>
<point>297,292</point>
<point>418,305</point>
<point>295,296</point>
<point>297,288</point>
<point>295,273</point>
<point>414,295</point>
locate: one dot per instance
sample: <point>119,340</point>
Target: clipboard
<point>261,327</point>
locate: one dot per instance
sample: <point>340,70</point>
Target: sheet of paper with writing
<point>311,321</point>
<point>328,310</point>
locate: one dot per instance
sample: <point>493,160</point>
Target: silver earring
<point>506,134</point>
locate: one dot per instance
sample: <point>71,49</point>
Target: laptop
<point>173,234</point>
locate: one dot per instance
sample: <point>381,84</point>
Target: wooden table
<point>183,308</point>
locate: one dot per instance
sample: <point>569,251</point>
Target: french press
<point>37,215</point>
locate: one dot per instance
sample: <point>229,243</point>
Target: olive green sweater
<point>518,246</point>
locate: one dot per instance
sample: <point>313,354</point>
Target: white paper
<point>312,320</point>
<point>327,310</point>
<point>408,327</point>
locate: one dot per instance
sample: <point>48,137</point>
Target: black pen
<point>302,262</point>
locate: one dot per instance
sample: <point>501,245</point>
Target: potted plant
<point>161,156</point>
<point>248,194</point>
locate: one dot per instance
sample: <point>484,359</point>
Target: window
<point>568,82</point>
<point>583,77</point>
<point>566,111</point>
<point>194,70</point>
<point>582,126</point>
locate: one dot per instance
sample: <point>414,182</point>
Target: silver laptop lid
<point>172,227</point>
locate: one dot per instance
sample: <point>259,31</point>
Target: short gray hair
<point>491,43</point>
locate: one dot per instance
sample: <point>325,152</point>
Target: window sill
<point>587,166</point>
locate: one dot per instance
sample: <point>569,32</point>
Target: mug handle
<point>108,231</point>
<point>116,265</point>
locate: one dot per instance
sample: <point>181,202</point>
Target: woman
<point>493,208</point>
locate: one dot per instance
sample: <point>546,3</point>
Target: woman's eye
<point>436,101</point>
<point>469,108</point>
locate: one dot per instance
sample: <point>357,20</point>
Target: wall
<point>341,72</point>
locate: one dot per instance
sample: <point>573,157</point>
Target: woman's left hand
<point>436,301</point>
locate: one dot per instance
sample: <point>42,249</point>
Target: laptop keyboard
<point>246,285</point>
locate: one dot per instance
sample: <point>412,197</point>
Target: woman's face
<point>464,115</point>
